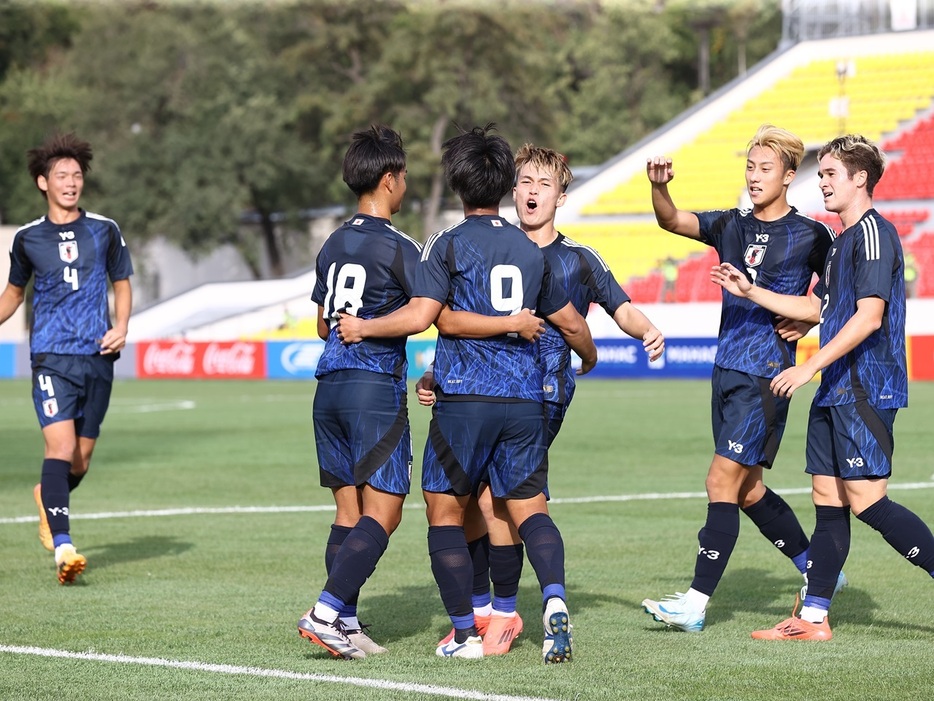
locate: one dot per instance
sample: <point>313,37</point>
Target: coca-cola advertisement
<point>214,360</point>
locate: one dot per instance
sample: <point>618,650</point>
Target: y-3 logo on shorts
<point>855,462</point>
<point>735,447</point>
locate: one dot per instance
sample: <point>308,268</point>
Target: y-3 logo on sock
<point>709,554</point>
<point>913,553</point>
<point>56,511</point>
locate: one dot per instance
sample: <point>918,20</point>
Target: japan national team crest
<point>754,255</point>
<point>50,407</point>
<point>68,251</point>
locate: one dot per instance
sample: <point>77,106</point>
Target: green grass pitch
<point>204,543</point>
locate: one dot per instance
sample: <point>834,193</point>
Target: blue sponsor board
<point>624,358</point>
<point>617,358</point>
<point>298,360</point>
<point>8,359</point>
<point>295,360</point>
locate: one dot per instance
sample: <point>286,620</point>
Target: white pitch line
<point>429,689</point>
<point>204,510</point>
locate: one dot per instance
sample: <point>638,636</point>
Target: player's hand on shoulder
<point>654,344</point>
<point>529,326</point>
<point>658,170</point>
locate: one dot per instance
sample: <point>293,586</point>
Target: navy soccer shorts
<point>850,441</point>
<point>501,443</point>
<point>362,431</point>
<point>554,419</point>
<point>748,420</point>
<point>72,388</point>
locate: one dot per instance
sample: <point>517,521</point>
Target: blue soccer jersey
<point>586,278</point>
<point>488,266</point>
<point>365,268</point>
<point>780,256</point>
<point>865,261</point>
<point>71,263</point>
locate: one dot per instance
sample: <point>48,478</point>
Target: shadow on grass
<point>143,548</point>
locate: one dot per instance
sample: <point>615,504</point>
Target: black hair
<point>479,167</point>
<point>372,153</point>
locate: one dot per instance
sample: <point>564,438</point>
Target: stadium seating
<point>883,94</point>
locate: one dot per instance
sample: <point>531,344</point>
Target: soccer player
<point>73,345</point>
<point>364,449</point>
<point>542,180</point>
<point>781,250</point>
<point>487,423</point>
<point>860,302</point>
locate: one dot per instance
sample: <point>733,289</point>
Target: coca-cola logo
<point>177,359</point>
<point>237,359</point>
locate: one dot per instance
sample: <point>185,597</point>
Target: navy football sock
<point>335,540</point>
<point>829,548</point>
<point>453,571</point>
<point>479,550</point>
<point>55,497</point>
<point>778,523</point>
<point>716,541</point>
<point>74,480</point>
<point>506,570</point>
<point>903,530</point>
<point>545,548</point>
<point>357,559</point>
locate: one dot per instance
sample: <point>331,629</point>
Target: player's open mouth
<point>531,204</point>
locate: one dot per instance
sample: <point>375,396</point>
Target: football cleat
<point>479,622</point>
<point>674,613</point>
<point>558,640</point>
<point>470,649</point>
<point>45,533</point>
<point>501,633</point>
<point>795,628</point>
<point>69,563</point>
<point>330,636</point>
<point>362,641</point>
<point>842,581</point>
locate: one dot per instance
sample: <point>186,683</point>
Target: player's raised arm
<point>668,216</point>
<point>801,308</point>
<point>462,324</point>
<point>573,327</point>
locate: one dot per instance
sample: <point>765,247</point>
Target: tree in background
<point>220,123</point>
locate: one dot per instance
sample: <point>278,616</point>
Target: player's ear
<point>42,183</point>
<point>562,198</point>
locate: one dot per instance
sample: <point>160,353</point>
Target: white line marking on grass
<point>204,510</point>
<point>449,692</point>
<point>179,405</point>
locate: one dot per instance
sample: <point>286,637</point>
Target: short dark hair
<point>479,166</point>
<point>857,153</point>
<point>58,146</point>
<point>372,153</point>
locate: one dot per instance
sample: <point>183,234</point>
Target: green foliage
<point>220,122</point>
